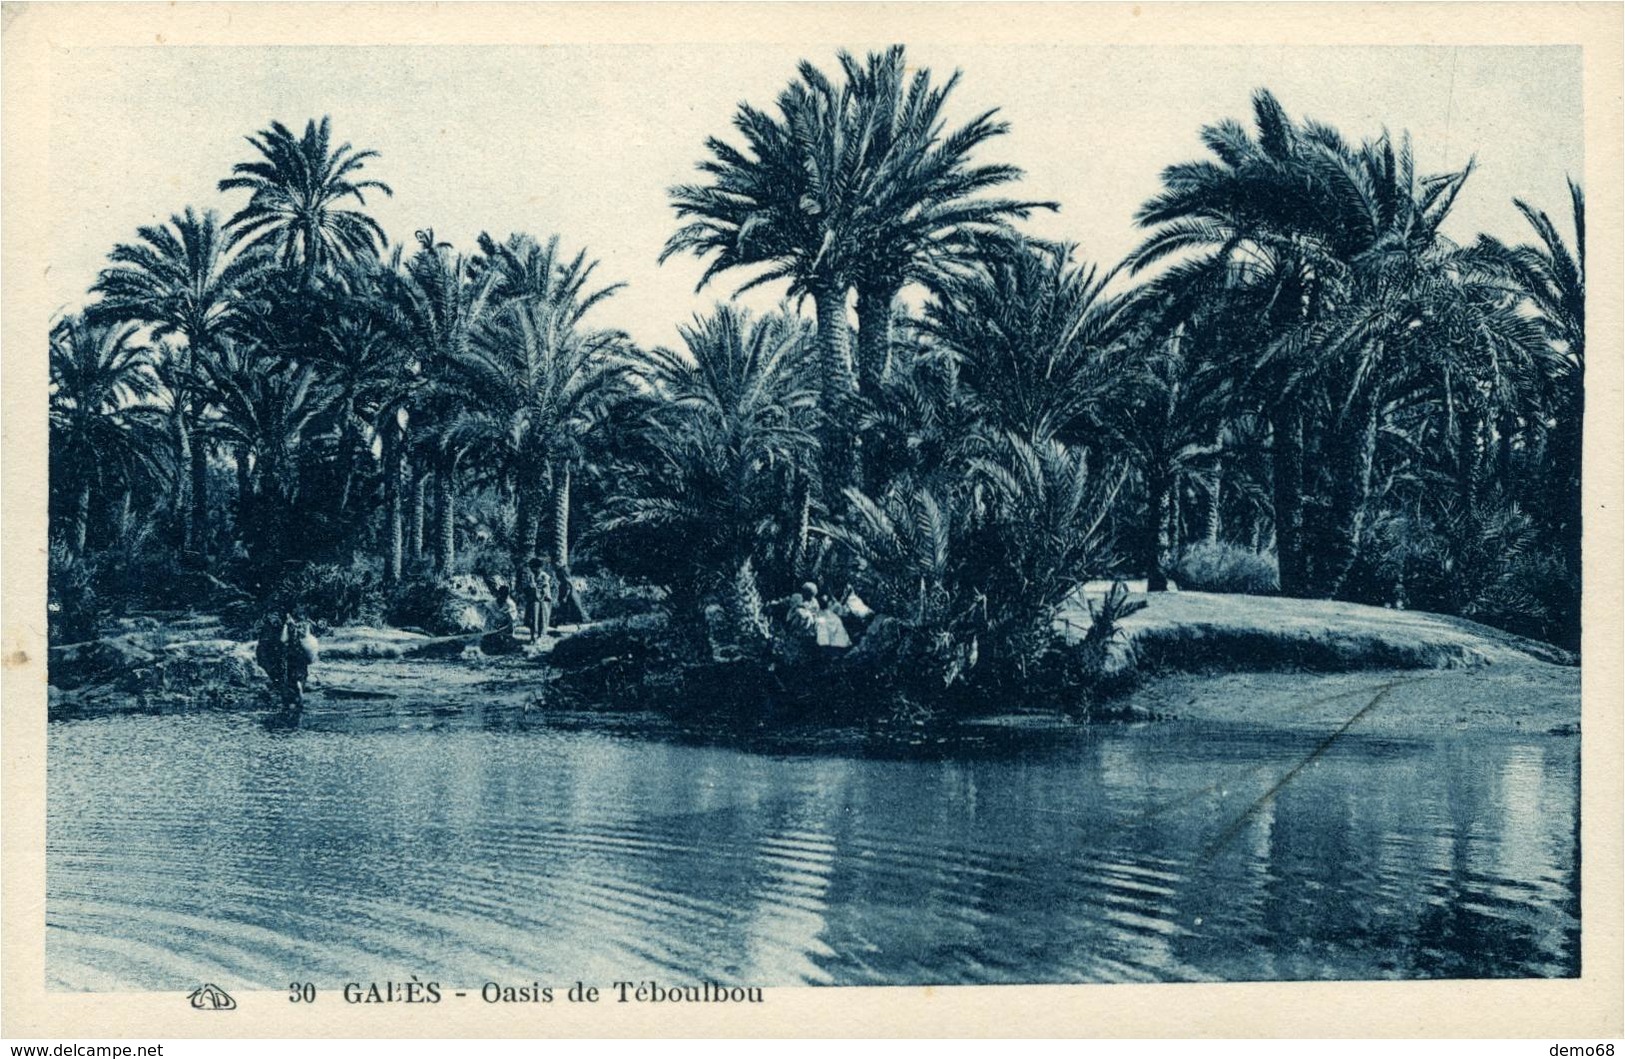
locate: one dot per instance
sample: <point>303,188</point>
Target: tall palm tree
<point>1551,275</point>
<point>106,428</point>
<point>849,185</point>
<point>920,208</point>
<point>298,188</point>
<point>535,380</point>
<point>181,279</point>
<point>435,301</point>
<point>779,205</point>
<point>1282,214</point>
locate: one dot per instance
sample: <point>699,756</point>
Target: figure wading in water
<point>286,651</point>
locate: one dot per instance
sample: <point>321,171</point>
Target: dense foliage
<point>1297,383</point>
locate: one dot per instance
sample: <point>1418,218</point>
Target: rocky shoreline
<point>1465,679</point>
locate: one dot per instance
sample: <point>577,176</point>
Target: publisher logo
<point>210,997</point>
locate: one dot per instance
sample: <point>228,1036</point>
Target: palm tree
<point>1177,396</point>
<point>1551,275</point>
<point>1279,218</point>
<point>779,205</point>
<point>105,428</point>
<point>1029,331</point>
<point>725,426</point>
<point>734,366</point>
<point>850,185</point>
<point>355,345</point>
<point>534,381</point>
<point>267,406</point>
<point>918,211</point>
<point>525,268</point>
<point>435,303</point>
<point>182,280</point>
<point>975,569</point>
<point>298,188</point>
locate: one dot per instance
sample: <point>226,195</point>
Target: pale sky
<point>583,141</point>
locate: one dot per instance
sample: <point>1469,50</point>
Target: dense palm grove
<point>1296,383</point>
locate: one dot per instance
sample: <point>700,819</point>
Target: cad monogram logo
<point>210,997</point>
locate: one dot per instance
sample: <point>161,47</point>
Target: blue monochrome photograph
<point>687,519</point>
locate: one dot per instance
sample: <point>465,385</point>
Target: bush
<point>330,595</point>
<point>1488,563</point>
<point>609,595</point>
<point>440,606</point>
<point>484,558</point>
<point>1227,568</point>
<point>73,607</point>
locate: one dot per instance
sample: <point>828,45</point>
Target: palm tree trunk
<point>445,517</point>
<point>200,494</point>
<point>1156,521</point>
<point>349,445</point>
<point>81,519</point>
<point>125,500</point>
<point>1215,497</point>
<point>1286,423</point>
<point>394,527</point>
<point>803,541</point>
<point>180,499</point>
<point>561,517</point>
<point>874,338</point>
<point>835,379</point>
<point>271,508</point>
<point>1470,464</point>
<point>420,495</point>
<point>1174,541</point>
<point>524,536</point>
<point>1351,497</point>
<point>245,495</point>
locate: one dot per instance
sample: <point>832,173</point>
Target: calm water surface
<point>489,846</point>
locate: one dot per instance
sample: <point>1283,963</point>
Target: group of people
<point>819,620</point>
<point>545,592</point>
<point>548,595</point>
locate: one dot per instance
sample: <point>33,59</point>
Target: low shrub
<point>73,606</point>
<point>484,558</point>
<point>1226,568</point>
<point>330,594</point>
<point>439,606</point>
<point>609,595</point>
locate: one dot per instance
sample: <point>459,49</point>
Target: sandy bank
<point>1209,632</point>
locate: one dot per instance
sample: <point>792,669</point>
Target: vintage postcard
<point>812,519</point>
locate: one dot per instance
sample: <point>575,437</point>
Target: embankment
<point>1316,664</point>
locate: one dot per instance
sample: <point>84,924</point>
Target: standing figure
<point>536,591</point>
<point>286,650</point>
<point>269,653</point>
<point>572,610</point>
<point>302,651</point>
